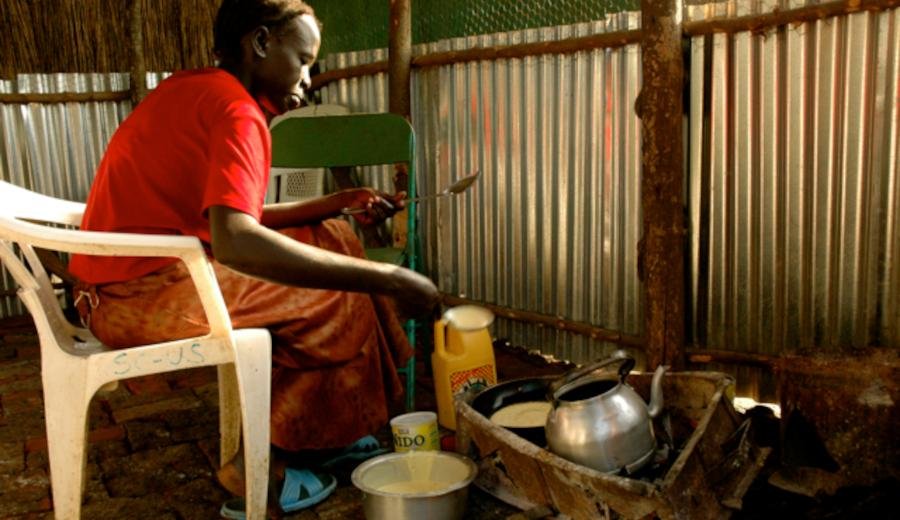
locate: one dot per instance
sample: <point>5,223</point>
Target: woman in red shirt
<point>193,158</point>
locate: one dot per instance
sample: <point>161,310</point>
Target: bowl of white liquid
<point>432,485</point>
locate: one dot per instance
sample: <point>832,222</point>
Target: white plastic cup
<point>416,431</point>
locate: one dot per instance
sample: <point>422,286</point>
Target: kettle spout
<point>656,395</point>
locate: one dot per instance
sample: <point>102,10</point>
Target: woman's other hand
<point>378,205</point>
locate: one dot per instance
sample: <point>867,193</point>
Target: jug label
<point>476,378</point>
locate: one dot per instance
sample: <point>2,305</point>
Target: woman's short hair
<point>236,18</point>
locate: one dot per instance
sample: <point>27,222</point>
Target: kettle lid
<point>568,380</point>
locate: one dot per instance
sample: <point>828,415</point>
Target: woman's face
<point>285,56</point>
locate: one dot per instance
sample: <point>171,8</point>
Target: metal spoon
<point>457,187</point>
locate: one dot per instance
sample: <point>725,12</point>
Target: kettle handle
<point>439,336</point>
<point>627,363</point>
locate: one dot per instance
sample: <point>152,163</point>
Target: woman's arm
<point>379,206</point>
<point>242,244</point>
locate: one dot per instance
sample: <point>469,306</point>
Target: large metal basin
<point>415,485</point>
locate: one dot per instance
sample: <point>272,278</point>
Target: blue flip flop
<point>302,488</point>
<point>363,449</point>
<point>234,509</point>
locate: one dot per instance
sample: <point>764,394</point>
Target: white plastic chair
<point>75,365</point>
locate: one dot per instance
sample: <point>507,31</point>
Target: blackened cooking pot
<point>512,392</point>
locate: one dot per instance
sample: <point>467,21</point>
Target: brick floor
<point>153,443</point>
<point>152,446</point>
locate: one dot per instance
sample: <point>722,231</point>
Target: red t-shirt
<point>198,140</point>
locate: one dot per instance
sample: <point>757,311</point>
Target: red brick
<point>16,369</point>
<point>111,433</point>
<point>36,444</point>
<point>45,504</point>
<point>7,352</point>
<point>22,401</point>
<point>12,457</point>
<point>28,352</point>
<point>13,505</point>
<point>153,384</point>
<point>24,395</point>
<point>21,427</point>
<point>209,394</point>
<point>193,378</point>
<point>20,339</point>
<point>181,402</point>
<point>26,487</point>
<point>21,323</point>
<point>17,384</point>
<point>20,375</point>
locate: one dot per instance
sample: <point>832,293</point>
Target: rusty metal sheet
<point>847,405</point>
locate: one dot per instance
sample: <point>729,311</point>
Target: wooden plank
<point>138,65</point>
<point>522,50</point>
<point>399,56</point>
<point>661,248</point>
<point>583,493</point>
<point>686,491</point>
<point>807,13</point>
<point>66,97</point>
<point>546,320</point>
<point>498,52</point>
<point>512,455</point>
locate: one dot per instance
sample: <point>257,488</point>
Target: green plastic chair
<point>357,140</point>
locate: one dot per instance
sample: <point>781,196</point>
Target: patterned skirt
<point>335,354</point>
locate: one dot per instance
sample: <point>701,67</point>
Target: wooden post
<point>399,57</point>
<point>138,66</point>
<point>661,249</point>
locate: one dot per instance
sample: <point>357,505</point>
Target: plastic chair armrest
<point>186,248</point>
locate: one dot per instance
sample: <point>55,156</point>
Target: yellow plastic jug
<point>463,357</point>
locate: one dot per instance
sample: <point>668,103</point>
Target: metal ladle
<point>457,187</point>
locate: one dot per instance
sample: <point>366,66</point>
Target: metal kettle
<point>603,423</point>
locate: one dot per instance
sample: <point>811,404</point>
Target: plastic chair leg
<point>229,413</point>
<point>254,369</point>
<point>65,407</point>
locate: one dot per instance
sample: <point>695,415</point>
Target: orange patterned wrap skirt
<point>335,354</point>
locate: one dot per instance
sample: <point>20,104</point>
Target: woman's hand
<point>378,205</point>
<point>415,295</point>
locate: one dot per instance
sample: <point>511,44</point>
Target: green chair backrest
<point>347,140</point>
<point>350,140</point>
<point>355,140</point>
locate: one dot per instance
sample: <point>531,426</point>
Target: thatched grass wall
<point>45,36</point>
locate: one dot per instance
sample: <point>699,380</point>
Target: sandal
<point>363,449</point>
<point>301,489</point>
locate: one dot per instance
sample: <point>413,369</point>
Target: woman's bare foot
<point>231,476</point>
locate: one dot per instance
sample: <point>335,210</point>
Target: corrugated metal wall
<point>552,224</point>
<point>793,184</point>
<point>361,94</point>
<point>794,192</point>
<point>55,148</point>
